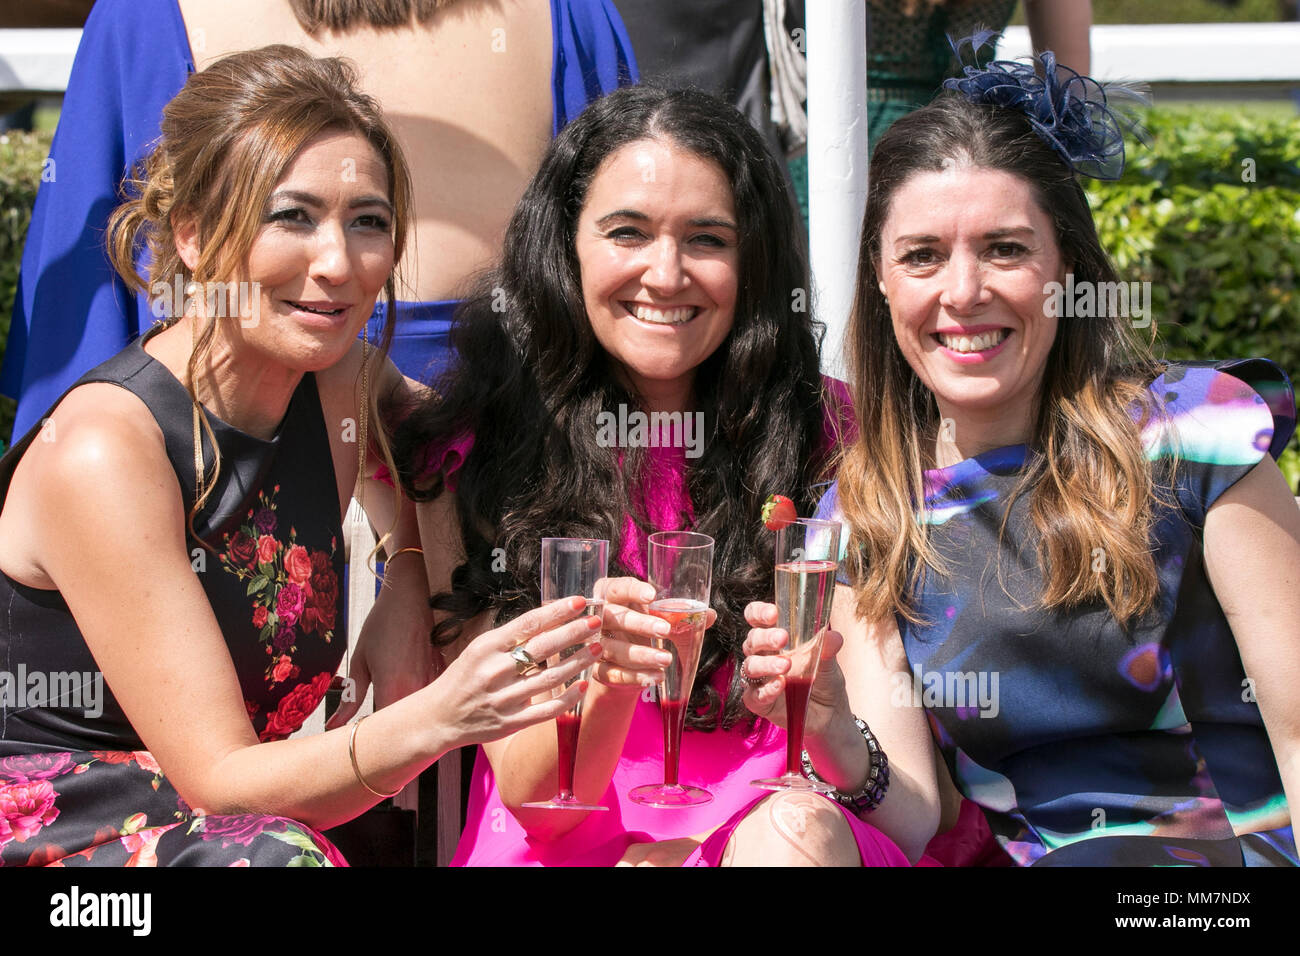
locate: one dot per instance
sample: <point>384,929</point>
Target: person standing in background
<point>474,89</point>
<point>908,53</point>
<point>724,48</point>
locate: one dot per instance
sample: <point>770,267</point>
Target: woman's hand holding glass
<point>628,660</point>
<point>765,667</point>
<point>485,694</point>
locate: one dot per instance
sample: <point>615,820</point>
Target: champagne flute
<point>572,566</point>
<point>681,570</point>
<point>807,555</point>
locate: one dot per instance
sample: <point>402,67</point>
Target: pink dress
<point>722,761</point>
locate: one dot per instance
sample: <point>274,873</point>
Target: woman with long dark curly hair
<point>652,266</point>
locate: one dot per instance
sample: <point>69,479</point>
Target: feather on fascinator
<point>1083,120</point>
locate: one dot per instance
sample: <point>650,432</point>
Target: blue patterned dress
<point>1084,745</point>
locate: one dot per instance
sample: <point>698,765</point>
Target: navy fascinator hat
<point>1083,120</point>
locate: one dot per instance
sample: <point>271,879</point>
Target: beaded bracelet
<point>873,791</point>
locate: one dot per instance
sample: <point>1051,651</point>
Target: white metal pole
<point>837,162</point>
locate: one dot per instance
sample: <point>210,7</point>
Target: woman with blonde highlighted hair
<point>1085,559</point>
<point>172,620</point>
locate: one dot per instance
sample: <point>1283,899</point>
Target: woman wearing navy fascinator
<point>1086,556</point>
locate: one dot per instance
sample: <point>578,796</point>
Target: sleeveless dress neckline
<point>77,785</point>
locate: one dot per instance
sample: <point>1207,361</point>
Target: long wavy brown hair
<point>1089,482</point>
<point>228,137</point>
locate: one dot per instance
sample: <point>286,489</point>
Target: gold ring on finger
<point>525,664</point>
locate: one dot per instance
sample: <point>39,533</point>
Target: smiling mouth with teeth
<point>972,343</point>
<point>678,316</point>
<point>307,308</point>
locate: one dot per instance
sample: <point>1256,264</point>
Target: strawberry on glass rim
<point>674,617</point>
<point>778,511</point>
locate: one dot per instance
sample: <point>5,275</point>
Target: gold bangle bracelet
<point>352,754</point>
<point>394,556</point>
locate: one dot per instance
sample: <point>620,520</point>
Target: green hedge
<point>1209,214</point>
<point>21,156</point>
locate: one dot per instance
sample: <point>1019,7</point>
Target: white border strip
<point>1185,52</point>
<point>37,60</point>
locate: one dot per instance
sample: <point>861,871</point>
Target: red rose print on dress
<point>239,828</point>
<point>289,604</point>
<point>282,670</point>
<point>51,854</point>
<point>293,590</point>
<point>295,708</point>
<point>320,564</point>
<point>143,846</point>
<point>297,565</point>
<point>322,606</point>
<point>21,769</point>
<point>267,547</point>
<point>264,521</point>
<point>285,638</point>
<point>241,549</point>
<point>112,756</point>
<point>145,759</point>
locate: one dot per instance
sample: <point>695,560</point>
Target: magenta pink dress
<point>723,761</point>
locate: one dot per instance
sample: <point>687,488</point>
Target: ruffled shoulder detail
<point>1216,427</point>
<point>1208,416</point>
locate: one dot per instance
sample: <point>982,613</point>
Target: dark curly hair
<point>532,379</point>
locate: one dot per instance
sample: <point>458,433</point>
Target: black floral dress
<point>77,786</point>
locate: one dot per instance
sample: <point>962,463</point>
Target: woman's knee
<point>793,828</point>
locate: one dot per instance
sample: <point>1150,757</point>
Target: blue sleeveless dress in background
<point>72,311</point>
<point>1083,745</point>
<point>77,786</point>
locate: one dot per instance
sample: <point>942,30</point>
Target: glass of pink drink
<point>807,555</point>
<point>681,570</point>
<point>572,566</point>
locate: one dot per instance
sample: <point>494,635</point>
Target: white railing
<point>38,60</point>
<point>41,60</point>
<point>1186,52</point>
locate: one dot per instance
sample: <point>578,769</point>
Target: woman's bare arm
<point>116,549</point>
<point>1062,26</point>
<point>1252,558</point>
